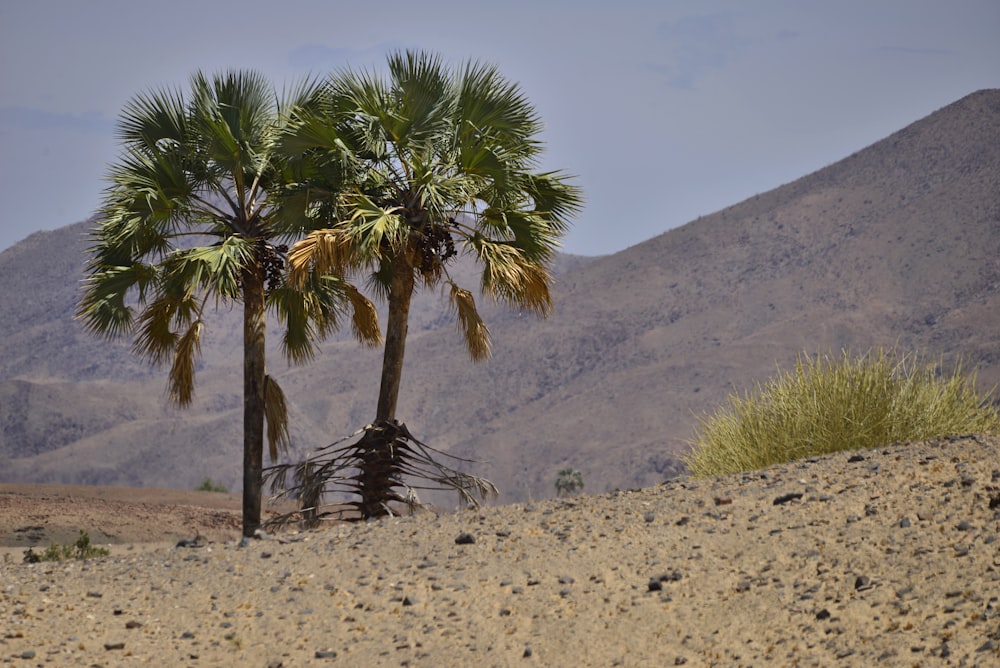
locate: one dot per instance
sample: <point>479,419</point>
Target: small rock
<point>785,498</point>
<point>114,645</point>
<point>742,586</point>
<point>649,517</point>
<point>987,646</point>
<point>863,583</point>
<point>723,500</point>
<point>527,651</point>
<point>963,526</point>
<point>408,601</point>
<point>132,624</point>
<point>823,614</point>
<point>325,654</point>
<point>904,523</point>
<point>855,458</point>
<point>28,654</point>
<point>465,539</point>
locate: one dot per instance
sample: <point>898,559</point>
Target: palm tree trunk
<point>253,396</point>
<point>376,475</point>
<point>400,293</point>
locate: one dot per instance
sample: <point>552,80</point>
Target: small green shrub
<point>207,485</point>
<point>569,481</point>
<point>81,549</point>
<point>827,405</point>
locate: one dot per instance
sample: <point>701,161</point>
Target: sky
<point>662,110</point>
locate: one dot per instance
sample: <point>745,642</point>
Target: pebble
<point>785,498</point>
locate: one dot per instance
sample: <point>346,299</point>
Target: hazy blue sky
<point>665,110</point>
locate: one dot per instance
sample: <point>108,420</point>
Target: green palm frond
<point>156,340</point>
<point>218,268</point>
<point>276,416</point>
<point>314,310</point>
<point>373,227</point>
<point>103,308</point>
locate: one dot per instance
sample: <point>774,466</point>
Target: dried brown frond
<point>509,277</point>
<point>382,469</point>
<point>323,252</point>
<point>181,380</point>
<point>276,415</point>
<point>477,334</point>
<point>364,319</point>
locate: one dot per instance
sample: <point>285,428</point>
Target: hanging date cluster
<point>436,247</point>
<point>272,259</point>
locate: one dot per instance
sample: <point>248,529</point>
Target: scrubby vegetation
<point>208,485</point>
<point>829,405</point>
<point>569,482</point>
<point>81,549</point>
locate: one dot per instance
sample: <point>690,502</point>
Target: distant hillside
<point>898,243</point>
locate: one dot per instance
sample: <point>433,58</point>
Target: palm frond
<point>103,308</point>
<point>156,339</point>
<point>181,379</point>
<point>509,277</point>
<point>373,227</point>
<point>276,415</point>
<point>325,251</point>
<point>218,268</point>
<point>477,334</point>
<point>364,319</point>
<point>409,465</point>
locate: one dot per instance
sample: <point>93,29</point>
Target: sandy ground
<point>885,557</point>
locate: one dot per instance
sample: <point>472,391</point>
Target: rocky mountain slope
<point>897,244</point>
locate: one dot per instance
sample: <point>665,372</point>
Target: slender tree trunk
<point>400,294</point>
<point>379,463</point>
<point>253,396</point>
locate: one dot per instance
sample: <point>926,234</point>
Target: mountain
<point>895,245</point>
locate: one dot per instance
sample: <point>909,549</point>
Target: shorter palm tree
<point>191,219</point>
<point>442,163</point>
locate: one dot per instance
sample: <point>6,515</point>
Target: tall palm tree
<point>190,219</point>
<point>445,163</point>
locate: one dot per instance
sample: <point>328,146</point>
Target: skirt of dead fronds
<point>378,475</point>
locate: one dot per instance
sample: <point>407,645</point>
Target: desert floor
<point>884,557</point>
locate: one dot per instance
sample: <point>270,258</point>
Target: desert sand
<point>882,557</point>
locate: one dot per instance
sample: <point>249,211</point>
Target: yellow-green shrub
<point>829,405</point>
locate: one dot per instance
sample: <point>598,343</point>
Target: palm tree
<point>191,218</point>
<point>444,163</point>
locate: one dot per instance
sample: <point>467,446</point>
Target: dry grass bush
<point>831,405</point>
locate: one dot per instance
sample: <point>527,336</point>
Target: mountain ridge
<point>897,244</point>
